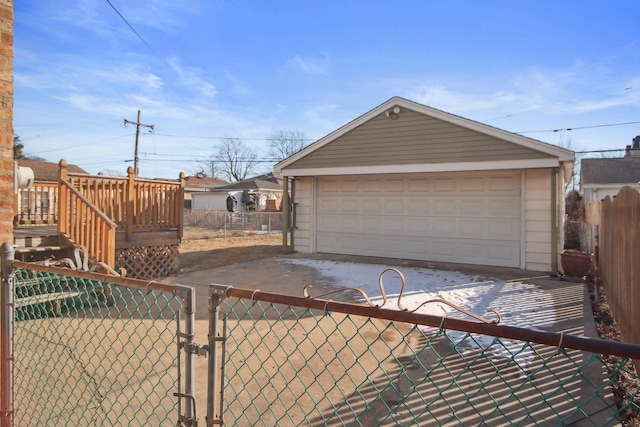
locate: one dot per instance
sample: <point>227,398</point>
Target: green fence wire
<point>293,366</point>
<point>91,353</point>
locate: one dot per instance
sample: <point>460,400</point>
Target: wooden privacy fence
<point>619,246</point>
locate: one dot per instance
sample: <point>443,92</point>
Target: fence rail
<point>93,349</point>
<point>222,220</point>
<point>288,360</point>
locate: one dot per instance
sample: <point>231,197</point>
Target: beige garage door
<point>464,217</point>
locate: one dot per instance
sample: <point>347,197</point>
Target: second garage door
<point>465,217</point>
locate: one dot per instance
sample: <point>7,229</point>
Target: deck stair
<point>39,243</point>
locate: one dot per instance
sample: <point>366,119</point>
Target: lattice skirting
<point>148,262</point>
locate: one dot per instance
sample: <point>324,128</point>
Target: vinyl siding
<point>538,227</point>
<point>413,138</point>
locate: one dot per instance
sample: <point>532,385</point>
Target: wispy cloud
<point>553,92</point>
<point>319,65</point>
<point>192,78</point>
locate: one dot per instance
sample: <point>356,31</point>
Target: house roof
<point>250,184</point>
<point>622,170</point>
<point>548,155</point>
<point>47,171</point>
<point>202,183</point>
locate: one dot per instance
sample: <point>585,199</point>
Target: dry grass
<point>203,249</point>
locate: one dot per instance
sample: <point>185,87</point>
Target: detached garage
<point>407,181</point>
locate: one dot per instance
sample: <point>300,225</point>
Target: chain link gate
<point>83,348</point>
<point>285,360</point>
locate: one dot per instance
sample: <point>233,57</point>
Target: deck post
<point>180,206</point>
<point>130,202</point>
<point>63,199</point>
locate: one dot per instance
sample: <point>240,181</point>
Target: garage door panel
<point>371,205</point>
<point>418,185</point>
<point>349,206</point>
<point>472,184</point>
<point>472,207</point>
<point>394,206</point>
<point>417,225</point>
<point>371,186</point>
<point>503,229</point>
<point>504,183</point>
<point>443,227</point>
<point>469,217</point>
<point>503,208</point>
<point>418,206</point>
<point>394,185</point>
<point>391,226</point>
<point>444,206</point>
<point>500,254</point>
<point>371,224</point>
<point>442,248</point>
<point>474,228</point>
<point>444,184</point>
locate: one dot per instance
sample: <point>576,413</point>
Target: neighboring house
<point>197,184</point>
<point>47,171</point>
<point>604,177</point>
<point>411,182</point>
<point>31,203</point>
<point>261,193</point>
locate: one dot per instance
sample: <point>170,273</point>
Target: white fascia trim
<point>432,167</point>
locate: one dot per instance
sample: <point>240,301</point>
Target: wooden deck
<point>123,222</point>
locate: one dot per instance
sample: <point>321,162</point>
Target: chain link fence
<point>241,221</point>
<point>294,362</point>
<point>94,350</point>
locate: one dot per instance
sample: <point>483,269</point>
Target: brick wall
<point>6,120</point>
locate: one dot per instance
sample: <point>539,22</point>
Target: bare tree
<point>235,160</point>
<point>285,143</point>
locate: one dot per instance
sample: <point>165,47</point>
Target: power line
<point>225,137</point>
<point>582,127</point>
<point>129,25</point>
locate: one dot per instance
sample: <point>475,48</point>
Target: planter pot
<point>575,263</point>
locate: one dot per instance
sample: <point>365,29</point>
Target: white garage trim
<point>464,217</point>
<point>434,167</point>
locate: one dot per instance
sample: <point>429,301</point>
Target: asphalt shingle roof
<point>624,170</point>
<point>47,171</point>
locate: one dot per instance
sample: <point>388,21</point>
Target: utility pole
<point>138,124</point>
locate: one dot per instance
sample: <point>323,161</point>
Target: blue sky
<point>202,70</point>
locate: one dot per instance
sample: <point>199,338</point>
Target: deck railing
<point>132,203</point>
<point>82,223</point>
<point>36,205</point>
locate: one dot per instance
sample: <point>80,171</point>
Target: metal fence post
<point>7,253</point>
<point>216,294</point>
<point>188,296</point>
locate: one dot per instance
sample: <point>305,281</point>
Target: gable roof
<point>257,183</point>
<point>524,152</point>
<point>621,170</point>
<point>202,183</point>
<point>47,171</point>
